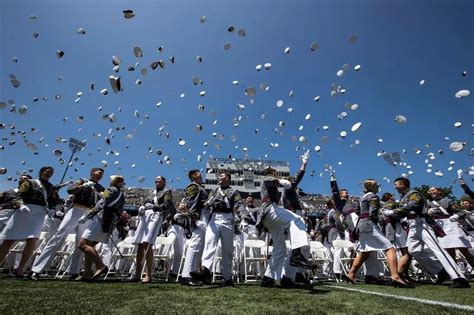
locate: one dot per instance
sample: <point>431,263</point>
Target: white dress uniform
<point>196,196</point>
<point>158,206</point>
<point>277,219</point>
<point>446,214</point>
<point>422,242</point>
<point>86,194</point>
<point>371,237</point>
<point>222,202</point>
<point>103,216</point>
<point>176,232</point>
<point>24,225</point>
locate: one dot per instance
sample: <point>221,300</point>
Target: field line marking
<point>407,298</point>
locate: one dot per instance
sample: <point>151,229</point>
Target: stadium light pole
<point>74,145</point>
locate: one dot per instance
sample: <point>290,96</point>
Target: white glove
<point>388,212</point>
<point>59,214</point>
<point>305,157</point>
<point>454,218</point>
<point>432,211</point>
<point>82,219</point>
<point>459,171</point>
<point>141,210</point>
<point>285,183</point>
<point>332,174</point>
<point>24,209</point>
<point>149,206</point>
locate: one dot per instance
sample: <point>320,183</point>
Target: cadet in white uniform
<point>223,203</point>
<point>422,242</point>
<point>85,196</point>
<point>448,215</point>
<point>277,220</point>
<point>370,237</point>
<point>157,207</point>
<point>103,215</point>
<point>196,197</point>
<point>35,197</point>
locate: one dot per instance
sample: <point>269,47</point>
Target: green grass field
<point>54,296</point>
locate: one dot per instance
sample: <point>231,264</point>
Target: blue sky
<point>399,43</point>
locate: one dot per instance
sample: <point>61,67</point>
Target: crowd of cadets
<point>428,231</point>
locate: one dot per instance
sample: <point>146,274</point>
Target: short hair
<point>404,180</point>
<point>191,173</point>
<point>162,177</point>
<point>269,171</point>
<point>26,175</point>
<point>466,198</point>
<point>386,196</point>
<point>330,203</point>
<point>343,189</point>
<point>44,168</point>
<point>94,169</point>
<point>227,174</point>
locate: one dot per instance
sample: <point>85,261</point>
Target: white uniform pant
<point>177,233</point>
<point>276,221</point>
<point>195,248</point>
<point>423,245</point>
<point>221,226</point>
<point>67,226</point>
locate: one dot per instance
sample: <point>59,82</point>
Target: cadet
<point>196,197</point>
<point>448,214</point>
<point>86,195</point>
<point>371,238</point>
<point>277,220</point>
<point>157,206</point>
<point>104,215</point>
<point>422,242</point>
<point>34,198</point>
<point>223,203</point>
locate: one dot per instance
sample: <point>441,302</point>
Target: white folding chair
<point>319,255</point>
<point>162,252</point>
<point>183,258</point>
<point>347,247</point>
<point>63,256</point>
<point>255,253</point>
<point>124,252</point>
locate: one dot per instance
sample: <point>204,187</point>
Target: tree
<point>445,192</point>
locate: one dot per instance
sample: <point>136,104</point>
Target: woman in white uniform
<point>448,215</point>
<point>371,237</point>
<point>156,207</point>
<point>396,233</point>
<point>35,197</point>
<point>103,216</point>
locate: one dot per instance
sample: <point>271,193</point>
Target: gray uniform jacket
<point>290,198</point>
<point>369,212</point>
<point>196,197</point>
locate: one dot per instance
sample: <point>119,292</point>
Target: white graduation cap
<point>314,46</point>
<point>115,83</point>
<point>356,126</point>
<point>81,31</point>
<point>457,124</point>
<point>287,50</point>
<point>202,19</point>
<point>59,54</point>
<point>400,119</point>
<point>462,93</point>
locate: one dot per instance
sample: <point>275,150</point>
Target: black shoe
<point>288,283</point>
<point>17,276</point>
<point>229,283</point>
<point>442,276</point>
<point>73,276</point>
<point>268,282</point>
<point>204,276</point>
<point>375,280</point>
<point>189,282</point>
<point>460,283</point>
<point>300,278</point>
<point>34,276</point>
<point>397,284</point>
<point>297,259</point>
